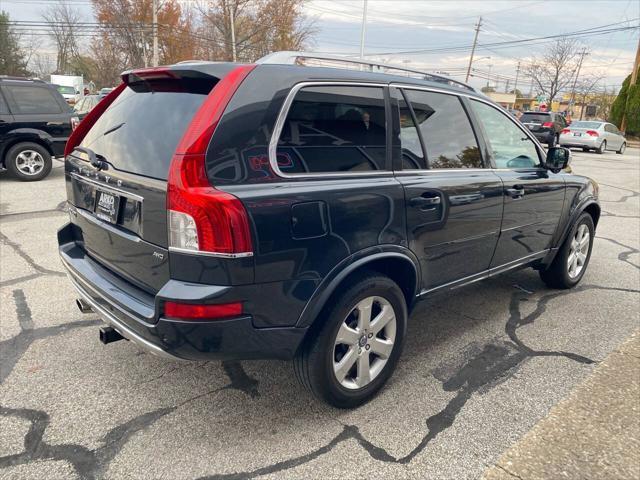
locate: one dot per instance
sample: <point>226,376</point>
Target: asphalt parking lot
<point>482,366</point>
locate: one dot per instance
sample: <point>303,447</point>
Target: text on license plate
<point>107,206</point>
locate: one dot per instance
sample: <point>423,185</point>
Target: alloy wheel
<point>578,251</point>
<point>29,162</point>
<point>364,342</point>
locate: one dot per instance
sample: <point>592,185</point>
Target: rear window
<point>535,118</point>
<point>141,129</point>
<point>594,125</point>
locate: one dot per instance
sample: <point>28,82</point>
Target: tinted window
<point>140,130</point>
<point>445,129</point>
<point>592,125</point>
<point>33,99</point>
<point>535,118</point>
<point>510,146</point>
<point>334,129</point>
<point>3,105</point>
<point>411,148</point>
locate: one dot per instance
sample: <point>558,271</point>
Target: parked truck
<point>70,86</point>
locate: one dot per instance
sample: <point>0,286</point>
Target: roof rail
<point>332,61</point>
<point>20,79</point>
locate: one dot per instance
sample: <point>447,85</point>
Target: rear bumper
<point>133,313</point>
<point>584,141</point>
<point>544,137</point>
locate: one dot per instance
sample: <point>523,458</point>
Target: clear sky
<point>444,31</point>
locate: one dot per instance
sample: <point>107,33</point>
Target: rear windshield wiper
<point>95,159</point>
<point>113,129</point>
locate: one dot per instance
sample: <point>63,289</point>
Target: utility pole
<point>515,85</point>
<point>473,48</point>
<point>233,34</point>
<point>634,80</point>
<point>575,80</point>
<point>155,33</point>
<point>364,28</point>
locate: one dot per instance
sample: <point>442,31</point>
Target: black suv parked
<point>280,211</point>
<point>546,126</point>
<point>35,123</point>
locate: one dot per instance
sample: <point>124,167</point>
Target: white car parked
<point>598,136</point>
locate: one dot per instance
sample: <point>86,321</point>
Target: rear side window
<point>334,129</point>
<point>411,146</point>
<point>140,130</point>
<point>33,100</point>
<point>445,129</point>
<point>3,105</point>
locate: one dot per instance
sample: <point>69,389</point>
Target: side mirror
<point>557,159</point>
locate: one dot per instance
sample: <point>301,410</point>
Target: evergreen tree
<point>12,58</point>
<point>627,103</point>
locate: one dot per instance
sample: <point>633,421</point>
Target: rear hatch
<point>117,176</point>
<point>582,129</point>
<point>536,121</point>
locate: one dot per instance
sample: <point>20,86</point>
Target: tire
<point>322,352</point>
<point>559,275</point>
<point>28,162</point>
<point>623,147</point>
<point>585,149</point>
<point>601,149</point>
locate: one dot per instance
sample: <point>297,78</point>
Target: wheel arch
<point>589,205</point>
<point>27,137</point>
<point>398,263</point>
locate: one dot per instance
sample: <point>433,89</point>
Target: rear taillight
<point>592,133</point>
<point>201,218</point>
<point>547,124</point>
<point>566,130</point>
<point>92,117</point>
<point>190,311</point>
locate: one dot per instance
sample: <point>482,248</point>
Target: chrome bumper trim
<point>122,329</point>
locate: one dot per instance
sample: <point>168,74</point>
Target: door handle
<point>422,202</point>
<point>516,192</point>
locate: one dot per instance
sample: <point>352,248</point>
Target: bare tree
<point>63,22</point>
<point>260,27</point>
<point>555,70</point>
<point>586,88</point>
<point>42,64</point>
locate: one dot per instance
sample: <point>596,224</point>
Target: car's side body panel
<point>311,232</point>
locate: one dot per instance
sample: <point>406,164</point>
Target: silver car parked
<point>598,136</point>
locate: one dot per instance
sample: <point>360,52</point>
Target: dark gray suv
<point>227,211</point>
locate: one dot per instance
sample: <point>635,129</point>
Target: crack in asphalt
<point>623,256</point>
<point>11,350</point>
<point>484,368</point>
<point>605,213</point>
<point>88,463</point>
<point>30,261</point>
<point>623,198</point>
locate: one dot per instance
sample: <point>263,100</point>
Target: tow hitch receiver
<point>109,335</point>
